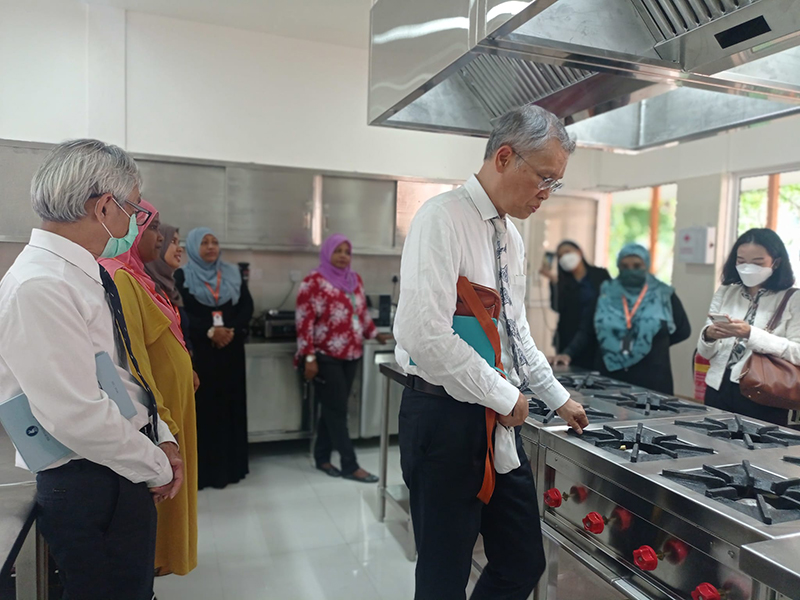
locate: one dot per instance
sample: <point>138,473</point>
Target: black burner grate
<point>641,443</point>
<point>541,412</point>
<point>591,382</point>
<point>751,490</point>
<point>651,402</point>
<point>747,433</point>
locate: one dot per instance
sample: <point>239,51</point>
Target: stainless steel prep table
<point>17,544</point>
<point>775,563</point>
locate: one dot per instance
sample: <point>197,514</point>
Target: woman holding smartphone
<point>754,281</point>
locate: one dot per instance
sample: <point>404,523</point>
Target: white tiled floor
<point>290,532</point>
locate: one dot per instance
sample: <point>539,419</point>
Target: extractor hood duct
<point>623,74</point>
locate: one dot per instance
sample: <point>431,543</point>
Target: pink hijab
<point>344,279</point>
<point>131,263</point>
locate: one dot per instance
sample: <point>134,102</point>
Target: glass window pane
<point>752,203</point>
<point>789,216</point>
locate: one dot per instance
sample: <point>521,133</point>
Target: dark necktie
<point>121,332</point>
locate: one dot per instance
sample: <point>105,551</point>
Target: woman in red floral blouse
<point>332,323</point>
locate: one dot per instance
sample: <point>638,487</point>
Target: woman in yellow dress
<point>157,342</point>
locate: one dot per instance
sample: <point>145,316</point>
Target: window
<point>772,201</point>
<point>632,221</point>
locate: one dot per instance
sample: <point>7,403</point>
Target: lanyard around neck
<point>215,293</point>
<point>629,314</point>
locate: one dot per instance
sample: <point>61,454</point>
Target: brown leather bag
<point>770,380</point>
<point>484,304</point>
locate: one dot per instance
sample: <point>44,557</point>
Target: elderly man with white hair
<point>459,487</point>
<point>59,309</point>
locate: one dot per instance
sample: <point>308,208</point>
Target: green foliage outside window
<point>631,223</point>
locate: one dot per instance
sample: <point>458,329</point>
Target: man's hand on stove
<point>518,415</point>
<point>574,415</point>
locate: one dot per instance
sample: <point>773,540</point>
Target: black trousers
<point>729,397</point>
<point>332,390</point>
<point>101,529</point>
<point>442,454</point>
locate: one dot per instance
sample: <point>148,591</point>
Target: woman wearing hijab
<point>162,272</point>
<point>636,321</point>
<point>573,295</point>
<point>332,323</point>
<point>158,344</point>
<point>220,308</point>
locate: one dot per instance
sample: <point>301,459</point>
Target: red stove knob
<point>676,551</point>
<point>623,519</point>
<point>552,498</point>
<point>579,492</point>
<point>594,523</point>
<point>645,558</point>
<point>706,591</point>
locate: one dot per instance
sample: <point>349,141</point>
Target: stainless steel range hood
<point>623,74</point>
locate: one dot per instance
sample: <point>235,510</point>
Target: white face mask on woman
<point>753,275</point>
<point>570,261</point>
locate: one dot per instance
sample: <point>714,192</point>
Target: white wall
<point>163,86</point>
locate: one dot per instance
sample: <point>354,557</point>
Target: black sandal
<point>330,470</point>
<point>369,478</point>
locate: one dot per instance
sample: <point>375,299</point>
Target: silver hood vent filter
<point>623,74</point>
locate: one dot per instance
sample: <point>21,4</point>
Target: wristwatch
<point>311,358</point>
<point>210,333</point>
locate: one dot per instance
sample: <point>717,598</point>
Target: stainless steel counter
<point>775,563</point>
<point>18,503</point>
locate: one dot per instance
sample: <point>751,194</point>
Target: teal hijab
<point>654,313</point>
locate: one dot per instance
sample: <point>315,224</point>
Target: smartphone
<point>550,257</point>
<point>718,318</point>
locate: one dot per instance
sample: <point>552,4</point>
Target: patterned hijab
<point>131,262</point>
<point>344,279</point>
<point>160,272</point>
<point>201,277</point>
<point>653,314</point>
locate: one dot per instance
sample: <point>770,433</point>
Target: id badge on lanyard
<point>627,341</point>
<point>217,320</point>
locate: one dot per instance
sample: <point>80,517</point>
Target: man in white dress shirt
<point>443,438</point>
<point>96,506</point>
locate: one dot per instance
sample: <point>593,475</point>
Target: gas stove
<point>651,402</point>
<point>640,443</point>
<point>744,432</point>
<point>591,381</point>
<point>539,411</point>
<point>752,490</point>
<point>666,507</point>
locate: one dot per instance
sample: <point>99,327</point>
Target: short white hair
<point>76,171</point>
<point>527,129</point>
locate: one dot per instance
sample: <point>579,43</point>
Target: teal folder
<point>470,330</point>
<point>37,447</point>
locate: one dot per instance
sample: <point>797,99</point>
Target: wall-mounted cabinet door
<point>362,209</point>
<point>270,207</point>
<point>186,195</point>
<point>17,166</point>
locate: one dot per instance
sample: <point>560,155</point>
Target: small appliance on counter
<point>380,309</point>
<point>274,325</point>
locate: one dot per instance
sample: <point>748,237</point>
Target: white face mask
<point>570,261</point>
<point>753,275</point>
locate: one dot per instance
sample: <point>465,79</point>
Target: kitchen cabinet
<point>270,207</point>
<point>411,195</point>
<point>18,163</point>
<point>186,195</point>
<point>276,409</point>
<point>362,209</point>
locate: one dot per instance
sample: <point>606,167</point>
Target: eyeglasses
<point>546,183</point>
<point>142,214</point>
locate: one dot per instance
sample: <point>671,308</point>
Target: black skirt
<point>729,397</point>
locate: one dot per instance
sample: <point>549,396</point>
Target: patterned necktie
<point>121,333</point>
<point>514,339</point>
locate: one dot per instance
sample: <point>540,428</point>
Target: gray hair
<point>528,129</point>
<point>78,170</point>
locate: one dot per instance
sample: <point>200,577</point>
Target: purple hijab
<point>344,279</point>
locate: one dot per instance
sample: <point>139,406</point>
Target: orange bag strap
<point>467,293</point>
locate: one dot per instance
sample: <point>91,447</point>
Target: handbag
<point>770,380</point>
<point>481,303</point>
